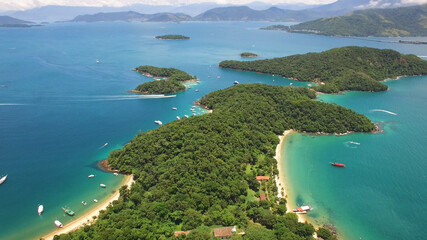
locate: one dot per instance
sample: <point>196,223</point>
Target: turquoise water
<point>60,107</point>
<point>381,193</point>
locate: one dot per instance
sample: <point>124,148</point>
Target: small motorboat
<point>116,174</point>
<point>40,209</point>
<point>103,185</point>
<point>84,203</point>
<point>174,108</point>
<point>91,176</point>
<point>337,164</point>
<point>196,90</point>
<point>236,82</point>
<point>58,224</point>
<point>301,212</point>
<point>2,179</point>
<point>95,200</point>
<point>68,211</point>
<point>177,117</point>
<point>302,209</point>
<point>158,122</point>
<point>186,116</point>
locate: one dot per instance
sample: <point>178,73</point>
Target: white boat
<point>116,174</point>
<point>103,185</point>
<point>105,144</point>
<point>236,82</point>
<point>309,85</point>
<point>84,203</point>
<point>174,108</point>
<point>158,122</point>
<point>95,200</point>
<point>97,61</point>
<point>58,224</point>
<point>91,176</point>
<point>3,179</point>
<point>196,90</point>
<point>177,117</point>
<point>302,212</point>
<point>40,209</point>
<point>186,116</point>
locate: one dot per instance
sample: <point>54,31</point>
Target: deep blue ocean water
<point>59,107</point>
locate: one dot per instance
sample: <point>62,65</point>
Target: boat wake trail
<point>122,97</point>
<point>12,104</point>
<point>351,144</point>
<point>382,110</point>
<point>103,146</point>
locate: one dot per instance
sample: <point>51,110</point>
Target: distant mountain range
<point>393,22</point>
<point>245,13</point>
<point>133,16</point>
<point>258,11</point>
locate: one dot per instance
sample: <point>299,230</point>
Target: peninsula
<point>173,37</point>
<point>248,54</point>
<point>168,80</point>
<point>339,69</point>
<point>218,169</point>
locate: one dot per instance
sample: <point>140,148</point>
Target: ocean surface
<point>62,98</point>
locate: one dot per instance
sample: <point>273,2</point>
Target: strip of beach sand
<point>87,218</point>
<point>280,178</point>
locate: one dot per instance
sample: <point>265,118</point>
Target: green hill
<point>339,69</point>
<point>199,172</point>
<point>390,22</point>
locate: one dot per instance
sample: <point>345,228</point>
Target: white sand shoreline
<point>87,218</point>
<point>280,178</point>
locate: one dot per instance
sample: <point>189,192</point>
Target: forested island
<point>170,80</point>
<point>387,22</point>
<point>276,27</point>
<point>248,54</point>
<point>173,37</point>
<point>199,173</point>
<point>339,69</point>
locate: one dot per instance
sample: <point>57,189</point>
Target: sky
<point>28,4</point>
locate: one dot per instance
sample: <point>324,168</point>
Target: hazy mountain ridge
<point>132,16</point>
<point>404,21</point>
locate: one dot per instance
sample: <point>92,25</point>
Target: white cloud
<point>27,4</point>
<point>414,1</point>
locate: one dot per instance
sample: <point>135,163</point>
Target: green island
<point>171,82</point>
<point>339,69</point>
<point>387,22</point>
<point>248,54</point>
<point>198,174</point>
<point>173,37</point>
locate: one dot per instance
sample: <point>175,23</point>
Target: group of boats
<point>67,210</point>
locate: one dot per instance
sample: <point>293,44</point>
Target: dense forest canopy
<point>339,69</point>
<point>387,22</point>
<point>197,173</point>
<point>173,37</point>
<point>171,83</point>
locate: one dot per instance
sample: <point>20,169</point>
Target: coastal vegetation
<point>199,173</point>
<point>171,82</point>
<point>173,37</point>
<point>276,27</point>
<point>248,54</point>
<point>388,22</point>
<point>339,69</point>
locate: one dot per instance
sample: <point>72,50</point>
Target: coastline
<point>88,217</point>
<point>280,179</point>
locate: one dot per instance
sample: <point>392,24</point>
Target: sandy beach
<point>87,218</point>
<point>280,179</point>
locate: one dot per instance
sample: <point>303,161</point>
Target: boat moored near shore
<point>68,211</point>
<point>103,185</point>
<point>58,224</point>
<point>40,209</point>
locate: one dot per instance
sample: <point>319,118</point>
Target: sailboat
<point>3,179</point>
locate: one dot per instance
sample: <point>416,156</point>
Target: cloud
<point>28,4</point>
